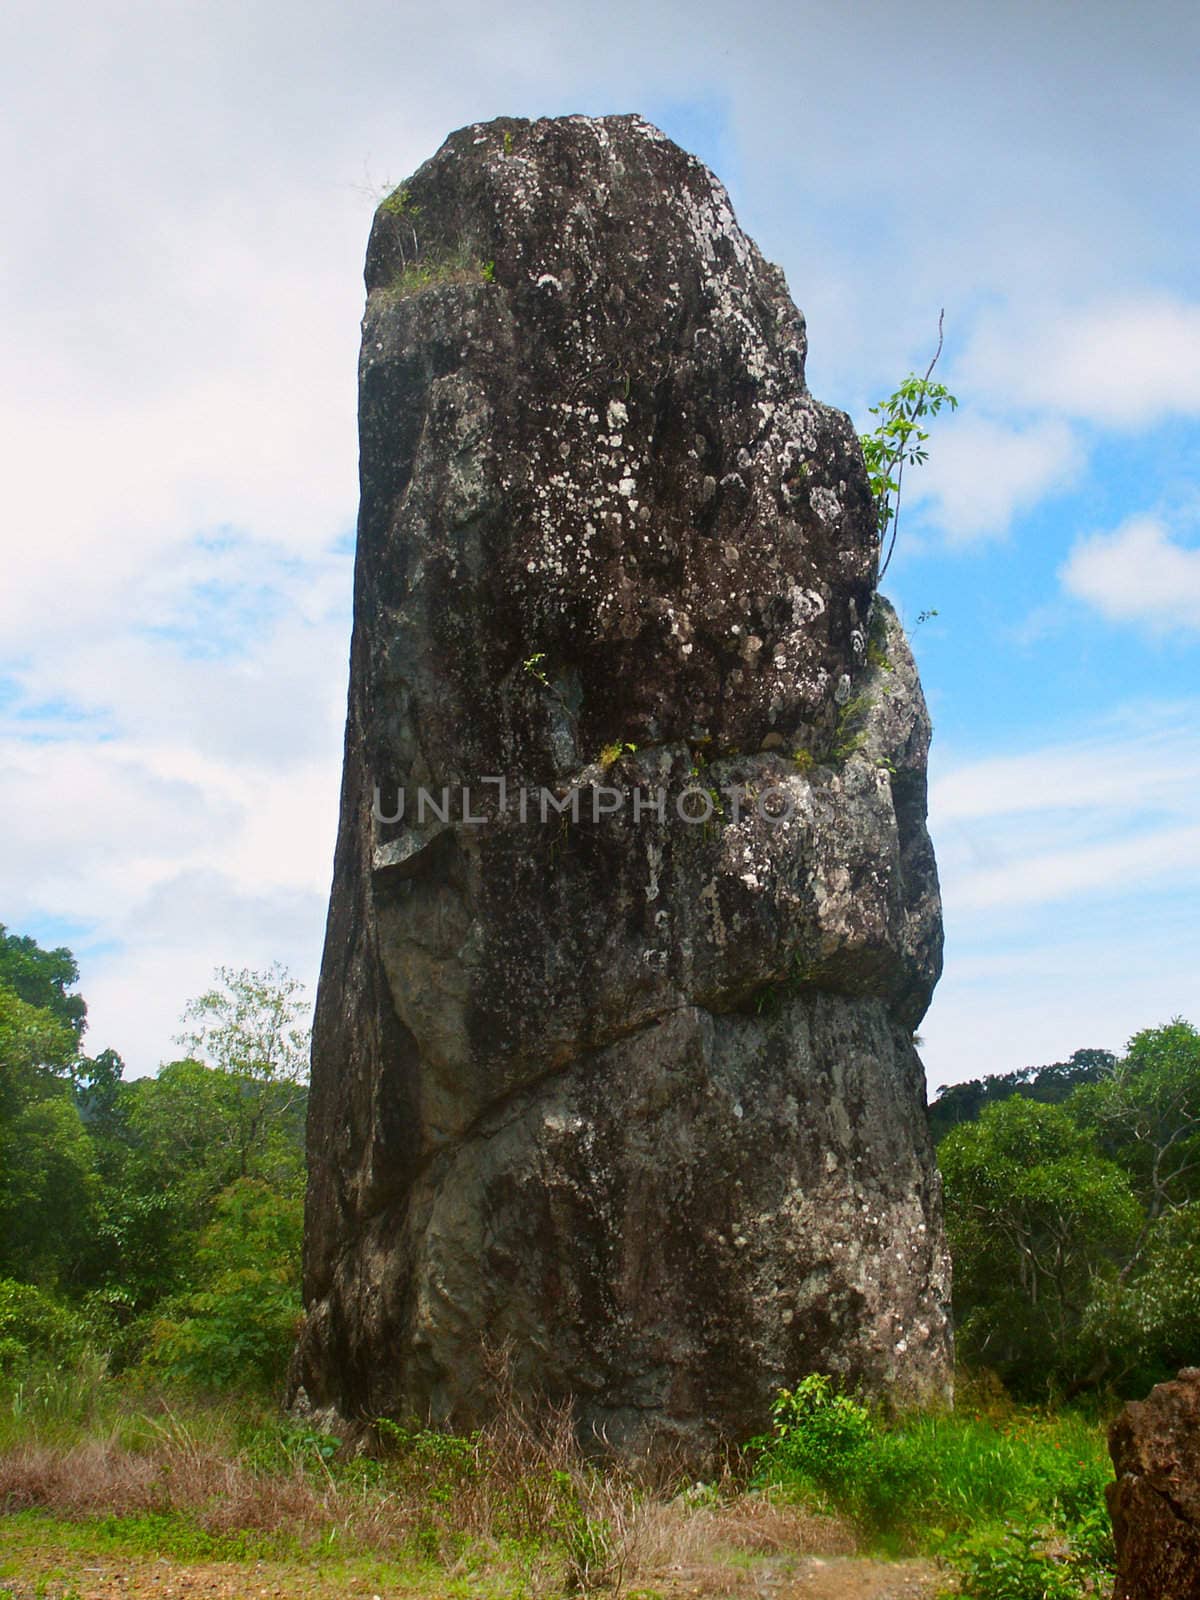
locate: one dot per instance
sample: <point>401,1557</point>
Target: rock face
<point>1155,1502</point>
<point>634,1092</point>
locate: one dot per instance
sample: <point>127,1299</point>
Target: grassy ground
<point>107,1490</point>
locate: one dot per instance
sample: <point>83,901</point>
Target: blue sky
<point>188,191</point>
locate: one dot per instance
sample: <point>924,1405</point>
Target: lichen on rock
<point>634,1092</point>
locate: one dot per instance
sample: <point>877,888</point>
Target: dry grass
<point>520,1484</point>
<point>671,1534</point>
<point>589,1528</point>
<point>105,1477</point>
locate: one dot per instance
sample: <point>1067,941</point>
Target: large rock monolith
<point>616,1075</point>
<point>1155,1501</point>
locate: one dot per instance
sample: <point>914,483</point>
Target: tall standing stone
<point>635,1093</point>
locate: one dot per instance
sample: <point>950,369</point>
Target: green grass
<point>458,266</point>
<point>155,1533</point>
<point>958,1472</point>
<point>52,1549</point>
<point>1013,1499</point>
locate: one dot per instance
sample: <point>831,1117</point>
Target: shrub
<point>36,1326</point>
<point>1014,1563</point>
<point>818,1438</point>
<point>237,1329</point>
<point>1015,1501</point>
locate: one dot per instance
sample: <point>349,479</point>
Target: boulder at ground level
<point>1155,1502</point>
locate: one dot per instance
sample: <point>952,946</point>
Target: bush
<point>819,1436</point>
<point>34,1326</point>
<point>1014,1563</point>
<point>237,1329</point>
<point>1014,1501</point>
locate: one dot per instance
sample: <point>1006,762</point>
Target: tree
<point>41,978</point>
<point>1148,1325</point>
<point>124,1196</point>
<point>201,1128</point>
<point>36,1048</point>
<point>1146,1113</point>
<point>237,1327</point>
<point>244,1079</point>
<point>49,1192</point>
<point>1039,1224</point>
<point>963,1102</point>
<point>251,1025</point>
<point>41,1026</point>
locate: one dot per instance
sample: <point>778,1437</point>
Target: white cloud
<point>1034,875</point>
<point>169,776</point>
<point>172,862</point>
<point>180,306</point>
<point>1139,573</point>
<point>124,477</point>
<point>1114,814</point>
<point>1125,362</point>
<point>1141,758</point>
<point>1069,873</point>
<point>982,473</point>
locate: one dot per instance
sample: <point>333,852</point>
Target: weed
<point>1011,1501</point>
<point>1014,1563</point>
<point>612,753</point>
<point>456,266</point>
<point>849,735</point>
<point>877,640</point>
<point>534,666</point>
<point>817,1434</point>
<point>898,440</point>
<point>399,204</point>
<point>797,975</point>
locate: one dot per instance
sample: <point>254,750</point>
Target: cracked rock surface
<point>621,1074</point>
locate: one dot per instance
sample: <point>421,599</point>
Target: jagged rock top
<point>681,529</point>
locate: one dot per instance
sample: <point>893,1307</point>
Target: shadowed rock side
<point>636,1094</point>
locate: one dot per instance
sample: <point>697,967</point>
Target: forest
<point>149,1280</point>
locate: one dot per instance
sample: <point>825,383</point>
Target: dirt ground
<point>53,1575</point>
<point>810,1578</point>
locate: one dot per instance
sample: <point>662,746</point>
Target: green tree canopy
<point>49,1192</point>
<point>42,978</point>
<point>1039,1222</point>
<point>251,1024</point>
<point>1146,1113</point>
<point>963,1102</point>
<point>36,1049</point>
<point>236,1328</point>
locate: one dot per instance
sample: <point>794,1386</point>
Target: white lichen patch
<point>826,504</point>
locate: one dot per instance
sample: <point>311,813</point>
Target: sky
<point>187,193</point>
